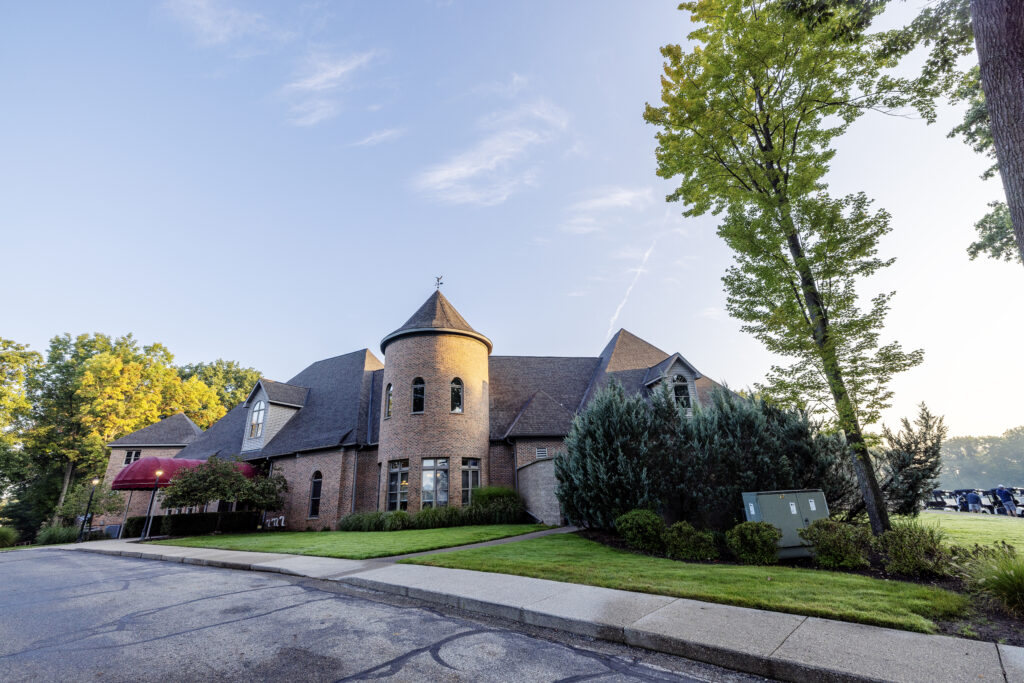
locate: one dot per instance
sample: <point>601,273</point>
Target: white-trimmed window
<point>457,393</point>
<point>259,413</point>
<point>131,456</point>
<point>681,390</point>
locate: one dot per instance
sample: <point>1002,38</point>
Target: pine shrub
<point>913,548</point>
<point>754,542</point>
<point>641,530</point>
<point>53,535</point>
<point>683,542</point>
<point>838,545</point>
<point>8,536</point>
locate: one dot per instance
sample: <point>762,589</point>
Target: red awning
<point>141,474</point>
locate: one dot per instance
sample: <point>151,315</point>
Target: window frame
<point>396,501</point>
<point>470,467</point>
<point>419,391</point>
<point>680,381</point>
<point>388,394</point>
<point>434,468</point>
<point>315,494</point>
<point>256,419</point>
<point>132,457</point>
<point>458,389</point>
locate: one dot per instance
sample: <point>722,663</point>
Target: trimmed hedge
<point>641,530</point>
<point>838,545</point>
<point>684,542</point>
<point>133,526</point>
<point>754,542</point>
<point>202,523</point>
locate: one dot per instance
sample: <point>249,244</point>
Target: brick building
<point>439,417</point>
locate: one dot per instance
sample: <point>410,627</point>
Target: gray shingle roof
<point>541,416</point>
<point>435,315</point>
<point>339,393</point>
<point>223,438</point>
<point>515,379</point>
<point>176,430</point>
<point>288,394</point>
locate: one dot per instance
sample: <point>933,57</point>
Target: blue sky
<point>277,183</point>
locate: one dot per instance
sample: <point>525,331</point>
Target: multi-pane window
<point>470,479</point>
<point>398,485</point>
<point>434,492</point>
<point>315,488</point>
<point>131,456</point>
<point>387,401</point>
<point>681,390</point>
<point>419,391</point>
<point>456,395</point>
<point>259,411</point>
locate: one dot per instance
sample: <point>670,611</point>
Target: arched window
<point>681,390</point>
<point>456,395</point>
<point>387,401</point>
<point>259,411</point>
<point>315,487</point>
<point>419,391</point>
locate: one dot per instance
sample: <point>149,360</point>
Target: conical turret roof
<point>436,315</point>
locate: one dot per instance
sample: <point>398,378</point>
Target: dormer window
<point>259,412</point>
<point>456,395</point>
<point>387,401</point>
<point>419,392</point>
<point>681,390</point>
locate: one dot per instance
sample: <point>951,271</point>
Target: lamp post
<point>81,530</point>
<point>149,512</point>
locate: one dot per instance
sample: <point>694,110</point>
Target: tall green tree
<point>747,123</point>
<point>912,462</point>
<point>228,378</point>
<point>16,363</point>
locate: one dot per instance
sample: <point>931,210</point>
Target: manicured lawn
<point>356,545</point>
<point>968,529</point>
<point>832,595</point>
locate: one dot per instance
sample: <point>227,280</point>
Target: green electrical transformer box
<point>790,511</point>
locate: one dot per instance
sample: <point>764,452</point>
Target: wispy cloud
<point>510,88</point>
<point>315,90</point>
<point>580,225</point>
<point>379,136</point>
<point>498,164</point>
<point>629,290</point>
<point>215,22</point>
<point>609,198</point>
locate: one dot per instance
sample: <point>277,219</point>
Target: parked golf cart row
<point>988,500</point>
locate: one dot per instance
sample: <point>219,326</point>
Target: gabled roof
<point>515,379</point>
<point>435,315</point>
<point>338,396</point>
<point>176,430</point>
<point>223,438</point>
<point>657,372</point>
<point>541,416</point>
<point>284,394</point>
<point>626,358</point>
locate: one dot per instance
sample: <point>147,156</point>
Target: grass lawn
<point>968,529</point>
<point>832,595</point>
<point>356,545</point>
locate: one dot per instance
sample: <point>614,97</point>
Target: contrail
<point>622,304</point>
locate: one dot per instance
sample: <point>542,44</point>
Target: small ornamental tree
<point>912,462</point>
<point>264,493</point>
<point>215,479</point>
<point>104,501</point>
<point>605,471</point>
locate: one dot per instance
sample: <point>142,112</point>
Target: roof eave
<point>434,330</point>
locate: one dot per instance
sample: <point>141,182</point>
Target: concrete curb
<point>772,644</point>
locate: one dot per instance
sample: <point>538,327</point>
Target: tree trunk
<point>999,37</point>
<point>848,422</point>
<point>68,469</point>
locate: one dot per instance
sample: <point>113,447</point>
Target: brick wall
<point>436,432</point>
<point>299,473</point>
<point>526,449</point>
<point>501,465</point>
<point>139,499</point>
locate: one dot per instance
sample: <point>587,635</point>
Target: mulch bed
<point>984,621</point>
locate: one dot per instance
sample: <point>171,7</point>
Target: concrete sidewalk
<point>772,644</point>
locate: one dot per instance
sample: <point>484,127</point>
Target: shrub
<point>57,534</point>
<point>838,545</point>
<point>133,526</point>
<point>641,530</point>
<point>362,521</point>
<point>1000,575</point>
<point>397,520</point>
<point>238,522</point>
<point>8,536</point>
<point>188,525</point>
<point>754,542</point>
<point>437,517</point>
<point>486,495</point>
<point>683,542</point>
<point>913,548</point>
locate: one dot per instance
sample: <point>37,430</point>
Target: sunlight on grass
<point>968,529</point>
<point>355,545</point>
<point>832,595</point>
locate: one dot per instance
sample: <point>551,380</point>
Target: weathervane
<point>438,282</point>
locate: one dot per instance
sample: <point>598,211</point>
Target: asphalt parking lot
<point>92,617</point>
